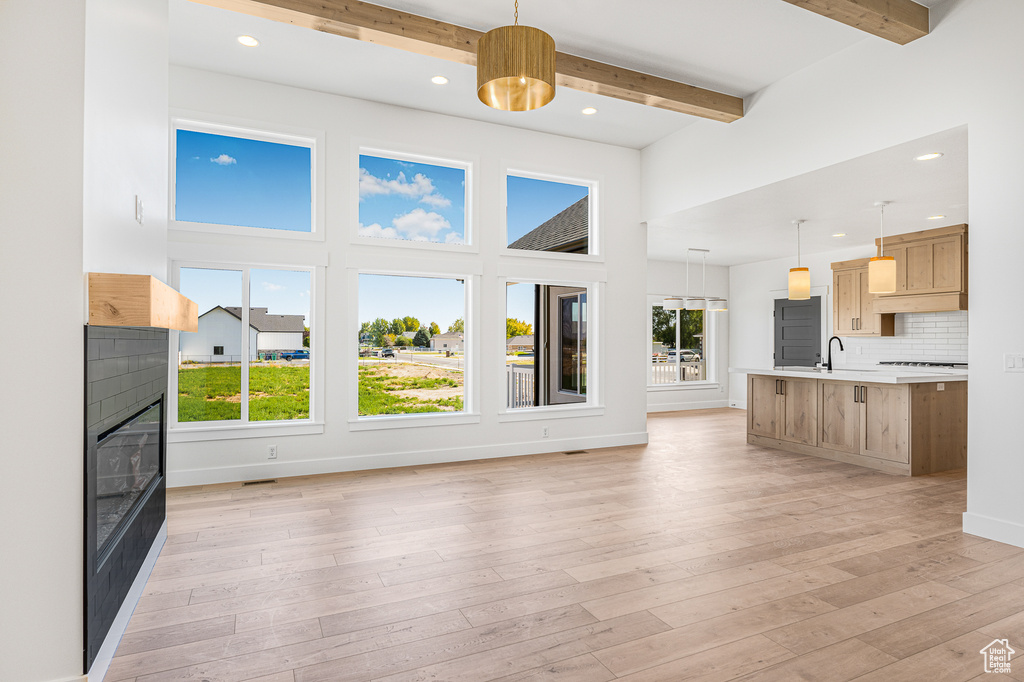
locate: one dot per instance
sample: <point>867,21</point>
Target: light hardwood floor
<point>697,557</point>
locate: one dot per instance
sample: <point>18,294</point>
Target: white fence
<point>521,383</point>
<point>665,372</point>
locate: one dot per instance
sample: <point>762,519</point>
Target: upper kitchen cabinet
<point>852,309</point>
<point>931,271</point>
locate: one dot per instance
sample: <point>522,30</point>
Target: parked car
<point>686,355</point>
<point>290,355</point>
<point>387,352</point>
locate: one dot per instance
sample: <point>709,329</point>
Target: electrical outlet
<point>272,452</point>
<point>940,387</point>
<point>140,213</point>
<point>1013,362</point>
<point>544,432</point>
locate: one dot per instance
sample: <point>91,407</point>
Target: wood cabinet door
<point>868,322</point>
<point>839,417</point>
<point>947,264</point>
<point>899,254</point>
<point>885,413</point>
<point>800,411</point>
<point>763,406</point>
<point>919,268</point>
<point>846,303</point>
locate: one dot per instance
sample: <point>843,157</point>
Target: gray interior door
<point>797,332</point>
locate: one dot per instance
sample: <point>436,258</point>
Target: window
<point>257,321</point>
<point>412,344</point>
<point>546,344</point>
<point>549,215</point>
<point>242,179</point>
<point>409,200</point>
<point>678,346</point>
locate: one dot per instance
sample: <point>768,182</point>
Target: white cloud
<point>376,230</point>
<point>419,225</point>
<point>224,160</point>
<point>453,238</point>
<point>436,201</point>
<point>270,286</point>
<point>420,187</point>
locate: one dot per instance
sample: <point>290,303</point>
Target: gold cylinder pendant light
<point>515,67</point>
<point>799,278</point>
<point>881,268</point>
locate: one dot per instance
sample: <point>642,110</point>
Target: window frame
<point>710,366</point>
<point>594,404</point>
<point>594,240</point>
<point>314,140</point>
<point>470,413</point>
<point>469,244</point>
<point>178,432</point>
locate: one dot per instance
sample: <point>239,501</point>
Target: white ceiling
<point>734,46</point>
<point>758,225</point>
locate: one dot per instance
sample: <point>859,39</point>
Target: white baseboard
<point>106,653</point>
<point>248,472</point>
<point>688,405</point>
<point>999,530</point>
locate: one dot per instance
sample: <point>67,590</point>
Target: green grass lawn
<point>213,393</point>
<point>377,387</point>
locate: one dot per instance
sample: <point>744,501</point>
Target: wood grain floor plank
<point>678,560</point>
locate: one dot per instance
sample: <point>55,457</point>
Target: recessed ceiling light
<point>928,157</point>
<point>248,41</point>
<point>589,111</point>
<point>936,217</point>
<point>439,80</point>
<point>839,234</point>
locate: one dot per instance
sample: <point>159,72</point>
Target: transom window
<point>549,215</point>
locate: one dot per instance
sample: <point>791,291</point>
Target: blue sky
<point>415,201</point>
<point>281,292</point>
<point>532,202</point>
<point>428,299</point>
<point>236,181</point>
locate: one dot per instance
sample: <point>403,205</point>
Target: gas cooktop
<point>915,363</point>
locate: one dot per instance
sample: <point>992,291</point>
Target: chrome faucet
<point>834,338</point>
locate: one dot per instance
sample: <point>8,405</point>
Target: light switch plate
<point>1013,362</point>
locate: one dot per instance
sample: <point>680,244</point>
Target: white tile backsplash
<point>935,337</point>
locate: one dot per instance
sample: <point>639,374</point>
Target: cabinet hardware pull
<point>777,386</point>
<point>783,387</point>
<point>864,394</point>
<point>856,394</point>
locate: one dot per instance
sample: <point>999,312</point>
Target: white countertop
<point>894,375</point>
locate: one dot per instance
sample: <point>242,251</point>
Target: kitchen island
<point>898,421</point>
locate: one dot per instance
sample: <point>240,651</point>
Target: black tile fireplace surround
<point>125,453</point>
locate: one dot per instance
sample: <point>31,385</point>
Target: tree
<point>663,326</point>
<point>397,326</point>
<point>691,329</point>
<point>379,330</point>
<point>411,323</point>
<point>305,337</point>
<point>457,327</point>
<point>434,329</point>
<point>422,338</point>
<point>514,327</point>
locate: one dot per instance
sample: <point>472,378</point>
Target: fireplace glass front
<point>127,462</point>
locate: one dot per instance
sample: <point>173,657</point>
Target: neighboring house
<point>568,232</point>
<point>447,341</point>
<point>219,338</point>
<point>520,344</point>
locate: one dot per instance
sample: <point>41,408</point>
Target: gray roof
<point>262,322</point>
<point>526,340</point>
<point>567,231</point>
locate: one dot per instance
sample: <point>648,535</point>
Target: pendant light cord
<point>798,242</point>
<point>704,275</point>
<point>881,230</point>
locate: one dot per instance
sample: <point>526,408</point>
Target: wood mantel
<point>139,301</point>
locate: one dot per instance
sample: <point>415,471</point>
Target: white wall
<point>42,46</point>
<point>667,278</point>
<point>871,96</point>
<point>347,123</point>
<point>279,341</point>
<point>126,140</point>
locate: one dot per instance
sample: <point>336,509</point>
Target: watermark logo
<point>997,656</point>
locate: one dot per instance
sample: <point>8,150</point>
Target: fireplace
<point>125,453</point>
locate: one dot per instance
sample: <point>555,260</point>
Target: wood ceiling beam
<point>385,26</point>
<point>900,21</point>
